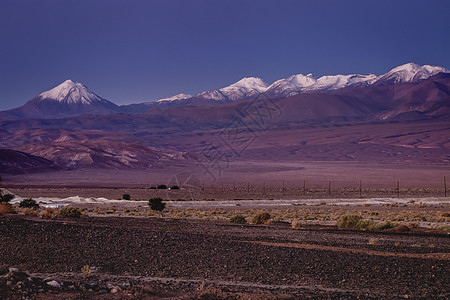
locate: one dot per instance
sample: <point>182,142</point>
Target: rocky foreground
<point>148,258</point>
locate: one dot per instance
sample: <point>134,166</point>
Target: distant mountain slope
<point>72,98</point>
<point>17,162</point>
<point>251,87</point>
<point>74,154</point>
<point>383,102</point>
<point>67,99</point>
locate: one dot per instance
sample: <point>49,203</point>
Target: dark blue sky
<point>133,51</point>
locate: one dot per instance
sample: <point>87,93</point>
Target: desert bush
<point>296,224</point>
<point>384,225</point>
<point>126,197</point>
<point>29,211</point>
<point>261,218</point>
<point>5,198</point>
<point>156,204</point>
<point>29,203</point>
<point>373,241</point>
<point>175,187</point>
<point>349,221</point>
<point>48,213</point>
<point>70,212</point>
<point>238,219</point>
<point>86,271</point>
<point>162,187</point>
<point>357,222</point>
<point>6,208</point>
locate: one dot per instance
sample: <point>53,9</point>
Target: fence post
<point>398,188</point>
<point>445,186</point>
<point>329,187</point>
<point>264,188</point>
<point>360,188</point>
<point>304,187</point>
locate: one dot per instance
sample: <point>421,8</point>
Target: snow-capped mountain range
<point>72,98</point>
<point>299,83</point>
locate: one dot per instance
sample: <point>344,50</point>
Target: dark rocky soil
<point>151,258</point>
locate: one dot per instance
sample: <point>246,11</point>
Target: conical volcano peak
<point>71,92</point>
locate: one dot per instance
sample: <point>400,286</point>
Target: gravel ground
<point>156,258</point>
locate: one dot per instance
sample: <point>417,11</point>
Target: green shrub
<point>261,218</point>
<point>70,212</point>
<point>162,187</point>
<point>126,197</point>
<point>29,203</point>
<point>175,187</point>
<point>156,204</point>
<point>238,219</point>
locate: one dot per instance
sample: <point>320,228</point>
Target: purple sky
<point>134,51</point>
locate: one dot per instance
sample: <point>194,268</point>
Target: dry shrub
<point>349,221</point>
<point>296,224</point>
<point>238,219</point>
<point>48,213</point>
<point>86,271</point>
<point>70,212</point>
<point>6,208</point>
<point>29,211</point>
<point>373,241</point>
<point>357,222</point>
<point>261,218</point>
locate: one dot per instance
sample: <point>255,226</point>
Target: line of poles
<point>284,189</point>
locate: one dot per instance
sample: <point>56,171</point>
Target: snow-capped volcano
<point>300,83</point>
<point>71,92</point>
<point>411,72</point>
<point>67,99</point>
<point>243,89</point>
<point>175,98</point>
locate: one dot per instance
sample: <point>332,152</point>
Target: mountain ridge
<point>71,98</point>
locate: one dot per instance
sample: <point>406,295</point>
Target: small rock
<point>103,291</point>
<point>54,283</point>
<point>13,270</point>
<point>114,291</point>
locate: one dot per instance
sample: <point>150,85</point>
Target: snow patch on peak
<point>292,85</point>
<point>250,83</point>
<point>245,88</point>
<point>175,98</point>
<point>71,92</point>
<point>411,72</point>
<point>335,82</point>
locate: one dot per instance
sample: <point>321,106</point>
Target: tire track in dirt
<point>434,256</point>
